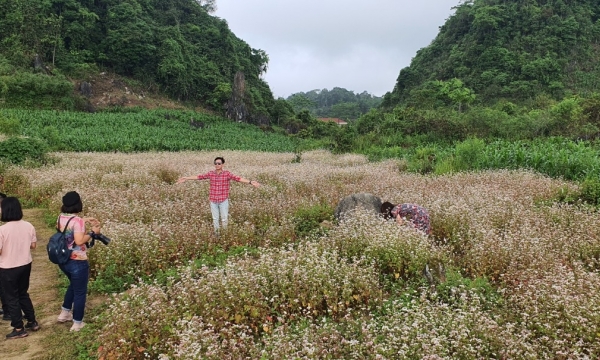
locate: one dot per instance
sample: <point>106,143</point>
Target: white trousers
<point>220,210</point>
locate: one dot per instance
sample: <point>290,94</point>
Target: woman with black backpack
<point>77,267</point>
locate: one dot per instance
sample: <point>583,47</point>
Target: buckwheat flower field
<point>507,273</point>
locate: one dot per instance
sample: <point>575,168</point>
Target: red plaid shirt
<point>219,184</point>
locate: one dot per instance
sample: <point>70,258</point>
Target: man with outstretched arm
<point>218,193</point>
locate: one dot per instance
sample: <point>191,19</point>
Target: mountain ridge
<point>514,51</point>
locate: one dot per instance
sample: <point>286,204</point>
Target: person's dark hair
<point>11,209</point>
<point>71,203</point>
<point>2,196</point>
<point>386,210</point>
<point>219,158</point>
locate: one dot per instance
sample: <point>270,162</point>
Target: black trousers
<point>3,301</point>
<point>15,284</point>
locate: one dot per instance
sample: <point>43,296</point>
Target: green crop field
<point>147,130</point>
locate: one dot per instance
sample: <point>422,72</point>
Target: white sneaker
<point>77,326</point>
<point>65,316</point>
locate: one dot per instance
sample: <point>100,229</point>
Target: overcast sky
<point>321,44</point>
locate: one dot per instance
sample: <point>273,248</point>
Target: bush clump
<point>308,220</point>
<point>9,125</point>
<point>17,150</point>
<point>590,191</point>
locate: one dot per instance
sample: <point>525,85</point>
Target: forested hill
<point>337,103</point>
<point>514,50</point>
<point>174,45</point>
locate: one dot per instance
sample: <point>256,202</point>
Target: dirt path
<point>44,295</point>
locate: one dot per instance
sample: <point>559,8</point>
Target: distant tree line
<point>334,103</point>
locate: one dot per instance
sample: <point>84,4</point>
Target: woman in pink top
<point>77,269</point>
<point>17,237</point>
<point>4,311</point>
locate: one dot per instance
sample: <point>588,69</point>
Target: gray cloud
<point>317,44</point>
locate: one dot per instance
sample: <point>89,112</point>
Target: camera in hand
<point>102,238</point>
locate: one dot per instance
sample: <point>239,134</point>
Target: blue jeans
<point>221,209</point>
<point>78,272</point>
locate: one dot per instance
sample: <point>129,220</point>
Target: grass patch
<point>308,220</point>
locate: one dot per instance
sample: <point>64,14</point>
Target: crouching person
<point>17,237</point>
<point>410,214</point>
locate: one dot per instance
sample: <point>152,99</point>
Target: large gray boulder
<point>366,201</point>
<point>85,88</point>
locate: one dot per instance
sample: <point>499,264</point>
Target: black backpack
<point>58,251</point>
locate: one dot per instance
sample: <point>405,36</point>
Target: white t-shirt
<point>16,238</point>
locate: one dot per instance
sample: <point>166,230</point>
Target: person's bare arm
<point>91,220</point>
<point>82,238</point>
<point>186,178</point>
<point>254,183</point>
